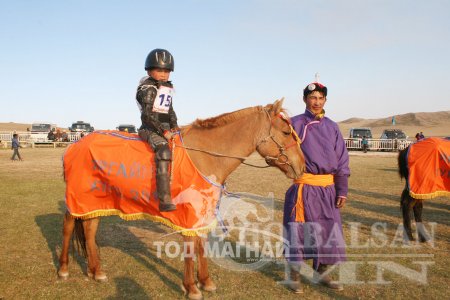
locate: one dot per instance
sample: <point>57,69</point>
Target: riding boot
<point>325,279</point>
<point>294,282</point>
<point>163,186</point>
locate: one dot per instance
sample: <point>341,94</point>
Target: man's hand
<point>168,135</point>
<point>340,203</point>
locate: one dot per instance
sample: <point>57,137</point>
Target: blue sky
<point>63,61</point>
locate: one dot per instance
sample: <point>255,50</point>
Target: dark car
<point>393,134</point>
<point>127,127</point>
<point>80,126</point>
<point>360,133</point>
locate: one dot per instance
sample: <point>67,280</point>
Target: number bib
<point>163,100</point>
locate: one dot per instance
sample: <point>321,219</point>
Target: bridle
<point>281,158</point>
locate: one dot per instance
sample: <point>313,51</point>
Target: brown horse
<point>216,146</point>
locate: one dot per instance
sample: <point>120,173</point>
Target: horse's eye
<point>286,133</point>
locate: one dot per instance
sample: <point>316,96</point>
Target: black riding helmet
<point>159,58</point>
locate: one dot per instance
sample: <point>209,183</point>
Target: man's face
<point>315,102</point>
<point>159,74</point>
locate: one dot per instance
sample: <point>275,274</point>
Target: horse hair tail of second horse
<point>79,237</point>
<point>403,163</point>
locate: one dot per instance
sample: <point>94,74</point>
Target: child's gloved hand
<point>168,135</point>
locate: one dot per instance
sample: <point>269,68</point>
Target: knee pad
<point>163,153</point>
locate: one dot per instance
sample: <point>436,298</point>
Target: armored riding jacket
<point>154,100</point>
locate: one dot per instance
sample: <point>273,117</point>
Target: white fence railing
<point>350,143</point>
<point>377,144</point>
<point>28,137</point>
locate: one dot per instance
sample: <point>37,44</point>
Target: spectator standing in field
<point>15,146</point>
<point>365,144</point>
<point>312,218</point>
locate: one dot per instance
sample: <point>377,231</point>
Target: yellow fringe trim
<point>430,195</point>
<point>144,216</point>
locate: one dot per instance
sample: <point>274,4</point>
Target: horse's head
<point>279,144</point>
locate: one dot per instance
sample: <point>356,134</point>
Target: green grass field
<point>380,266</point>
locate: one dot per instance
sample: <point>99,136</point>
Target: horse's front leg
<point>204,280</point>
<point>406,203</point>
<point>90,227</point>
<point>68,226</point>
<point>189,286</point>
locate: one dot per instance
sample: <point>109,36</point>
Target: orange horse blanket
<point>429,168</point>
<point>113,173</point>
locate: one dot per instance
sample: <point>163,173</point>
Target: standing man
<point>15,145</point>
<point>312,219</point>
<point>365,144</point>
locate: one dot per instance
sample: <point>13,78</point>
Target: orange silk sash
<point>113,173</point>
<point>310,179</point>
<point>429,168</point>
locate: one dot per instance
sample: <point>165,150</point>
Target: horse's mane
<point>223,119</point>
<point>226,118</point>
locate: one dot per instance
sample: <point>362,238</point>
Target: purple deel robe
<point>320,238</point>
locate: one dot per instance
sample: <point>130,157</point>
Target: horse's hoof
<point>296,287</point>
<point>193,294</point>
<point>100,277</point>
<point>63,275</point>
<point>208,285</point>
<point>423,239</point>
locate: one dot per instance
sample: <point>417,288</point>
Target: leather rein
<point>282,158</point>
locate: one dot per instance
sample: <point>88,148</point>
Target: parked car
<point>80,126</point>
<point>395,139</point>
<point>39,131</point>
<point>127,127</point>
<point>360,132</point>
<point>393,134</point>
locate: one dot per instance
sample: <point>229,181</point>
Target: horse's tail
<point>403,163</point>
<point>80,237</point>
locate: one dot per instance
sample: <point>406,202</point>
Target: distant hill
<point>19,127</point>
<point>430,123</point>
<point>11,126</point>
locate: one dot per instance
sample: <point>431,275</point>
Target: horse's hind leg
<point>406,203</point>
<point>423,236</point>
<point>204,280</point>
<point>90,229</point>
<point>68,226</point>
<point>189,286</point>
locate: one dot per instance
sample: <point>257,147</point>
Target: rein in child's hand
<point>168,135</point>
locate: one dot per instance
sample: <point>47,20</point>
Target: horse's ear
<point>277,106</point>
